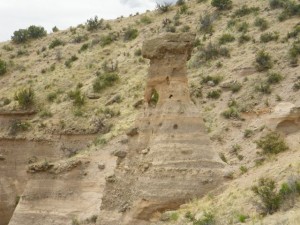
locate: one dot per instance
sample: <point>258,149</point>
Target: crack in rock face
<point>169,160</point>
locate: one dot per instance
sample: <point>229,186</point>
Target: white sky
<point>17,14</point>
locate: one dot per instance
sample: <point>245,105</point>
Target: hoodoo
<point>169,158</point>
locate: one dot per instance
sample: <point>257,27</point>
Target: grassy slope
<point>26,71</point>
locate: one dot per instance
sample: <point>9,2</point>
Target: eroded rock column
<point>169,159</point>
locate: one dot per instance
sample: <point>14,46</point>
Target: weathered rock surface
<point>285,118</point>
<point>169,159</point>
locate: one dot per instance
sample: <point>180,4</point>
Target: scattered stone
<point>114,99</point>
<point>120,154</point>
<point>93,96</point>
<point>133,132</point>
<point>228,174</point>
<point>101,166</point>
<point>145,151</point>
<point>138,104</point>
<point>227,84</point>
<point>111,179</point>
<point>211,83</point>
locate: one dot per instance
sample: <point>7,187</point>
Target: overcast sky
<point>17,14</point>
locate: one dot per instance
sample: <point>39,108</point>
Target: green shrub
<point>145,20</point>
<point>35,32</point>
<point>32,32</point>
<point>83,47</point>
<point>294,52</point>
<point>212,51</point>
<point>266,191</point>
<point>3,67</point>
<point>272,143</point>
<point>107,39</point>
<point>267,37</point>
<point>180,2</point>
<point>274,78</point>
<point>163,7</point>
<point>215,79</point>
<point>183,9</point>
<point>130,34</point>
<point>263,87</point>
<point>105,80</point>
<point>235,87</point>
<point>232,113</point>
<point>244,38</point>
<point>248,133</point>
<point>25,97</point>
<point>290,9</point>
<point>226,38</point>
<point>295,32</point>
<point>138,52</point>
<point>263,61</point>
<point>51,96</point>
<point>242,218</point>
<point>245,10</point>
<point>18,126</point>
<point>206,24</point>
<point>20,36</point>
<point>277,3</point>
<point>215,94</point>
<point>94,24</point>
<point>261,23</point>
<point>243,27</point>
<point>77,97</point>
<point>80,38</point>
<point>222,4</point>
<point>7,48</point>
<point>55,29</point>
<point>56,42</point>
<point>69,62</point>
<point>208,218</point>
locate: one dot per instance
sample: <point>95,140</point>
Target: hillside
<point>88,85</point>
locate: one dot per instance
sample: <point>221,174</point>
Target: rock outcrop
<point>169,159</point>
<point>285,118</point>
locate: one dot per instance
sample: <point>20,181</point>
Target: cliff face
<point>169,159</point>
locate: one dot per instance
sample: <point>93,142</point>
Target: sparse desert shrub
<point>75,221</point>
<point>263,61</point>
<point>18,126</point>
<point>263,87</point>
<point>105,80</point>
<point>32,32</point>
<point>243,169</point>
<point>35,32</point>
<point>277,3</point>
<point>294,52</point>
<point>163,7</point>
<point>208,218</point>
<point>20,36</point>
<point>223,157</point>
<point>69,62</point>
<point>295,32</point>
<point>56,42</point>
<point>226,38</point>
<point>215,94</point>
<point>138,52</point>
<point>94,24</point>
<point>55,29</point>
<point>107,39</point>
<point>296,86</point>
<point>170,28</point>
<point>80,38</point>
<point>248,133</point>
<point>185,28</point>
<point>267,37</point>
<point>290,9</point>
<point>242,218</point>
<point>232,113</point>
<point>215,79</point>
<point>77,97</point>
<point>3,67</point>
<point>51,96</point>
<point>206,23</point>
<point>154,98</point>
<point>25,97</point>
<point>235,87</point>
<point>180,2</point>
<point>243,27</point>
<point>222,4</point>
<point>274,78</point>
<point>244,38</point>
<point>261,23</point>
<point>268,195</point>
<point>130,34</point>
<point>183,9</point>
<point>92,219</point>
<point>245,10</point>
<point>213,51</point>
<point>83,47</point>
<point>7,48</point>
<point>145,20</point>
<point>45,114</point>
<point>272,143</point>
